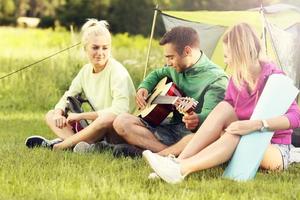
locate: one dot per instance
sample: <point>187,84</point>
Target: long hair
<point>244,51</point>
<point>94,27</point>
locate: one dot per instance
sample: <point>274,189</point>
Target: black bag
<point>296,137</point>
<point>74,105</point>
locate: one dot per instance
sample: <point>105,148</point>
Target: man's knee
<point>105,121</point>
<point>122,121</point>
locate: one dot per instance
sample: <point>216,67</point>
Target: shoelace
<point>46,144</point>
<point>50,144</point>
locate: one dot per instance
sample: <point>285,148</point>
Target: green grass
<point>40,87</point>
<point>43,174</point>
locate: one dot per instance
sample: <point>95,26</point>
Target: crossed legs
<point>95,131</point>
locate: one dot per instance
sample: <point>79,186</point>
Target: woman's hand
<point>141,97</point>
<point>243,127</point>
<point>60,120</point>
<point>73,117</point>
<point>191,120</point>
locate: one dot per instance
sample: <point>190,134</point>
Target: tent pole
<point>264,38</point>
<point>267,28</point>
<point>150,41</point>
<point>273,44</point>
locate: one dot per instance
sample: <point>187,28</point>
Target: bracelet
<point>265,126</point>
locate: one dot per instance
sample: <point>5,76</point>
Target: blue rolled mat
<point>276,98</point>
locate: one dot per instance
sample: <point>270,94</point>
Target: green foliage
<point>44,174</point>
<point>47,21</point>
<point>75,12</point>
<point>138,16</point>
<point>41,86</point>
<point>7,8</point>
<point>132,16</point>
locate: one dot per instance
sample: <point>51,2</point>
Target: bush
<point>6,21</point>
<point>46,22</point>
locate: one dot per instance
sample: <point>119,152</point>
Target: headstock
<point>185,104</point>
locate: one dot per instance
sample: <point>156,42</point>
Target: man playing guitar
<point>195,75</point>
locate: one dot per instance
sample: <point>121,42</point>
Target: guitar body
<point>154,114</point>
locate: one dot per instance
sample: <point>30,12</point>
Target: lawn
<point>44,174</point>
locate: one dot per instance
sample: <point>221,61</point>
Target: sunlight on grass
<point>44,174</point>
<point>21,115</point>
<point>40,173</point>
<point>41,86</point>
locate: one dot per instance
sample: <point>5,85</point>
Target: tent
<point>278,25</point>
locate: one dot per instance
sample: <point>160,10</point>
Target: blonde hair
<point>244,50</point>
<point>94,27</point>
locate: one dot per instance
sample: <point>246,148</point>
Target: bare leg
<point>211,129</point>
<point>222,150</point>
<point>177,148</point>
<point>61,133</point>
<point>215,154</point>
<point>134,132</point>
<point>95,131</point>
<point>272,159</point>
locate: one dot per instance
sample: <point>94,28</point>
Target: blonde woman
<point>106,84</point>
<point>219,135</point>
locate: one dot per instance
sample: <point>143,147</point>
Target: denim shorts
<point>285,153</point>
<point>168,132</point>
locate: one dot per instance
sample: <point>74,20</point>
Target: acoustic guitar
<point>165,98</point>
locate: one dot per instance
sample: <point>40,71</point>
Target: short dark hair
<point>181,36</point>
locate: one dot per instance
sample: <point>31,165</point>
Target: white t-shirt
<point>110,90</point>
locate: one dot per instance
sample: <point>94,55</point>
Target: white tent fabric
<point>209,34</point>
<point>286,44</point>
<point>277,8</point>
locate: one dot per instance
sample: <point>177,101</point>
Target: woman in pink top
<point>217,138</point>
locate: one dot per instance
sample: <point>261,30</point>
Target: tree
<point>133,16</point>
<point>7,9</point>
<point>75,12</point>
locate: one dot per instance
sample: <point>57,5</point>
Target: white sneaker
<point>165,167</point>
<point>82,147</point>
<point>294,155</point>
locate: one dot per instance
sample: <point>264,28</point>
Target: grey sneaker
<point>127,150</point>
<point>39,141</point>
<point>84,147</point>
<point>166,167</point>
